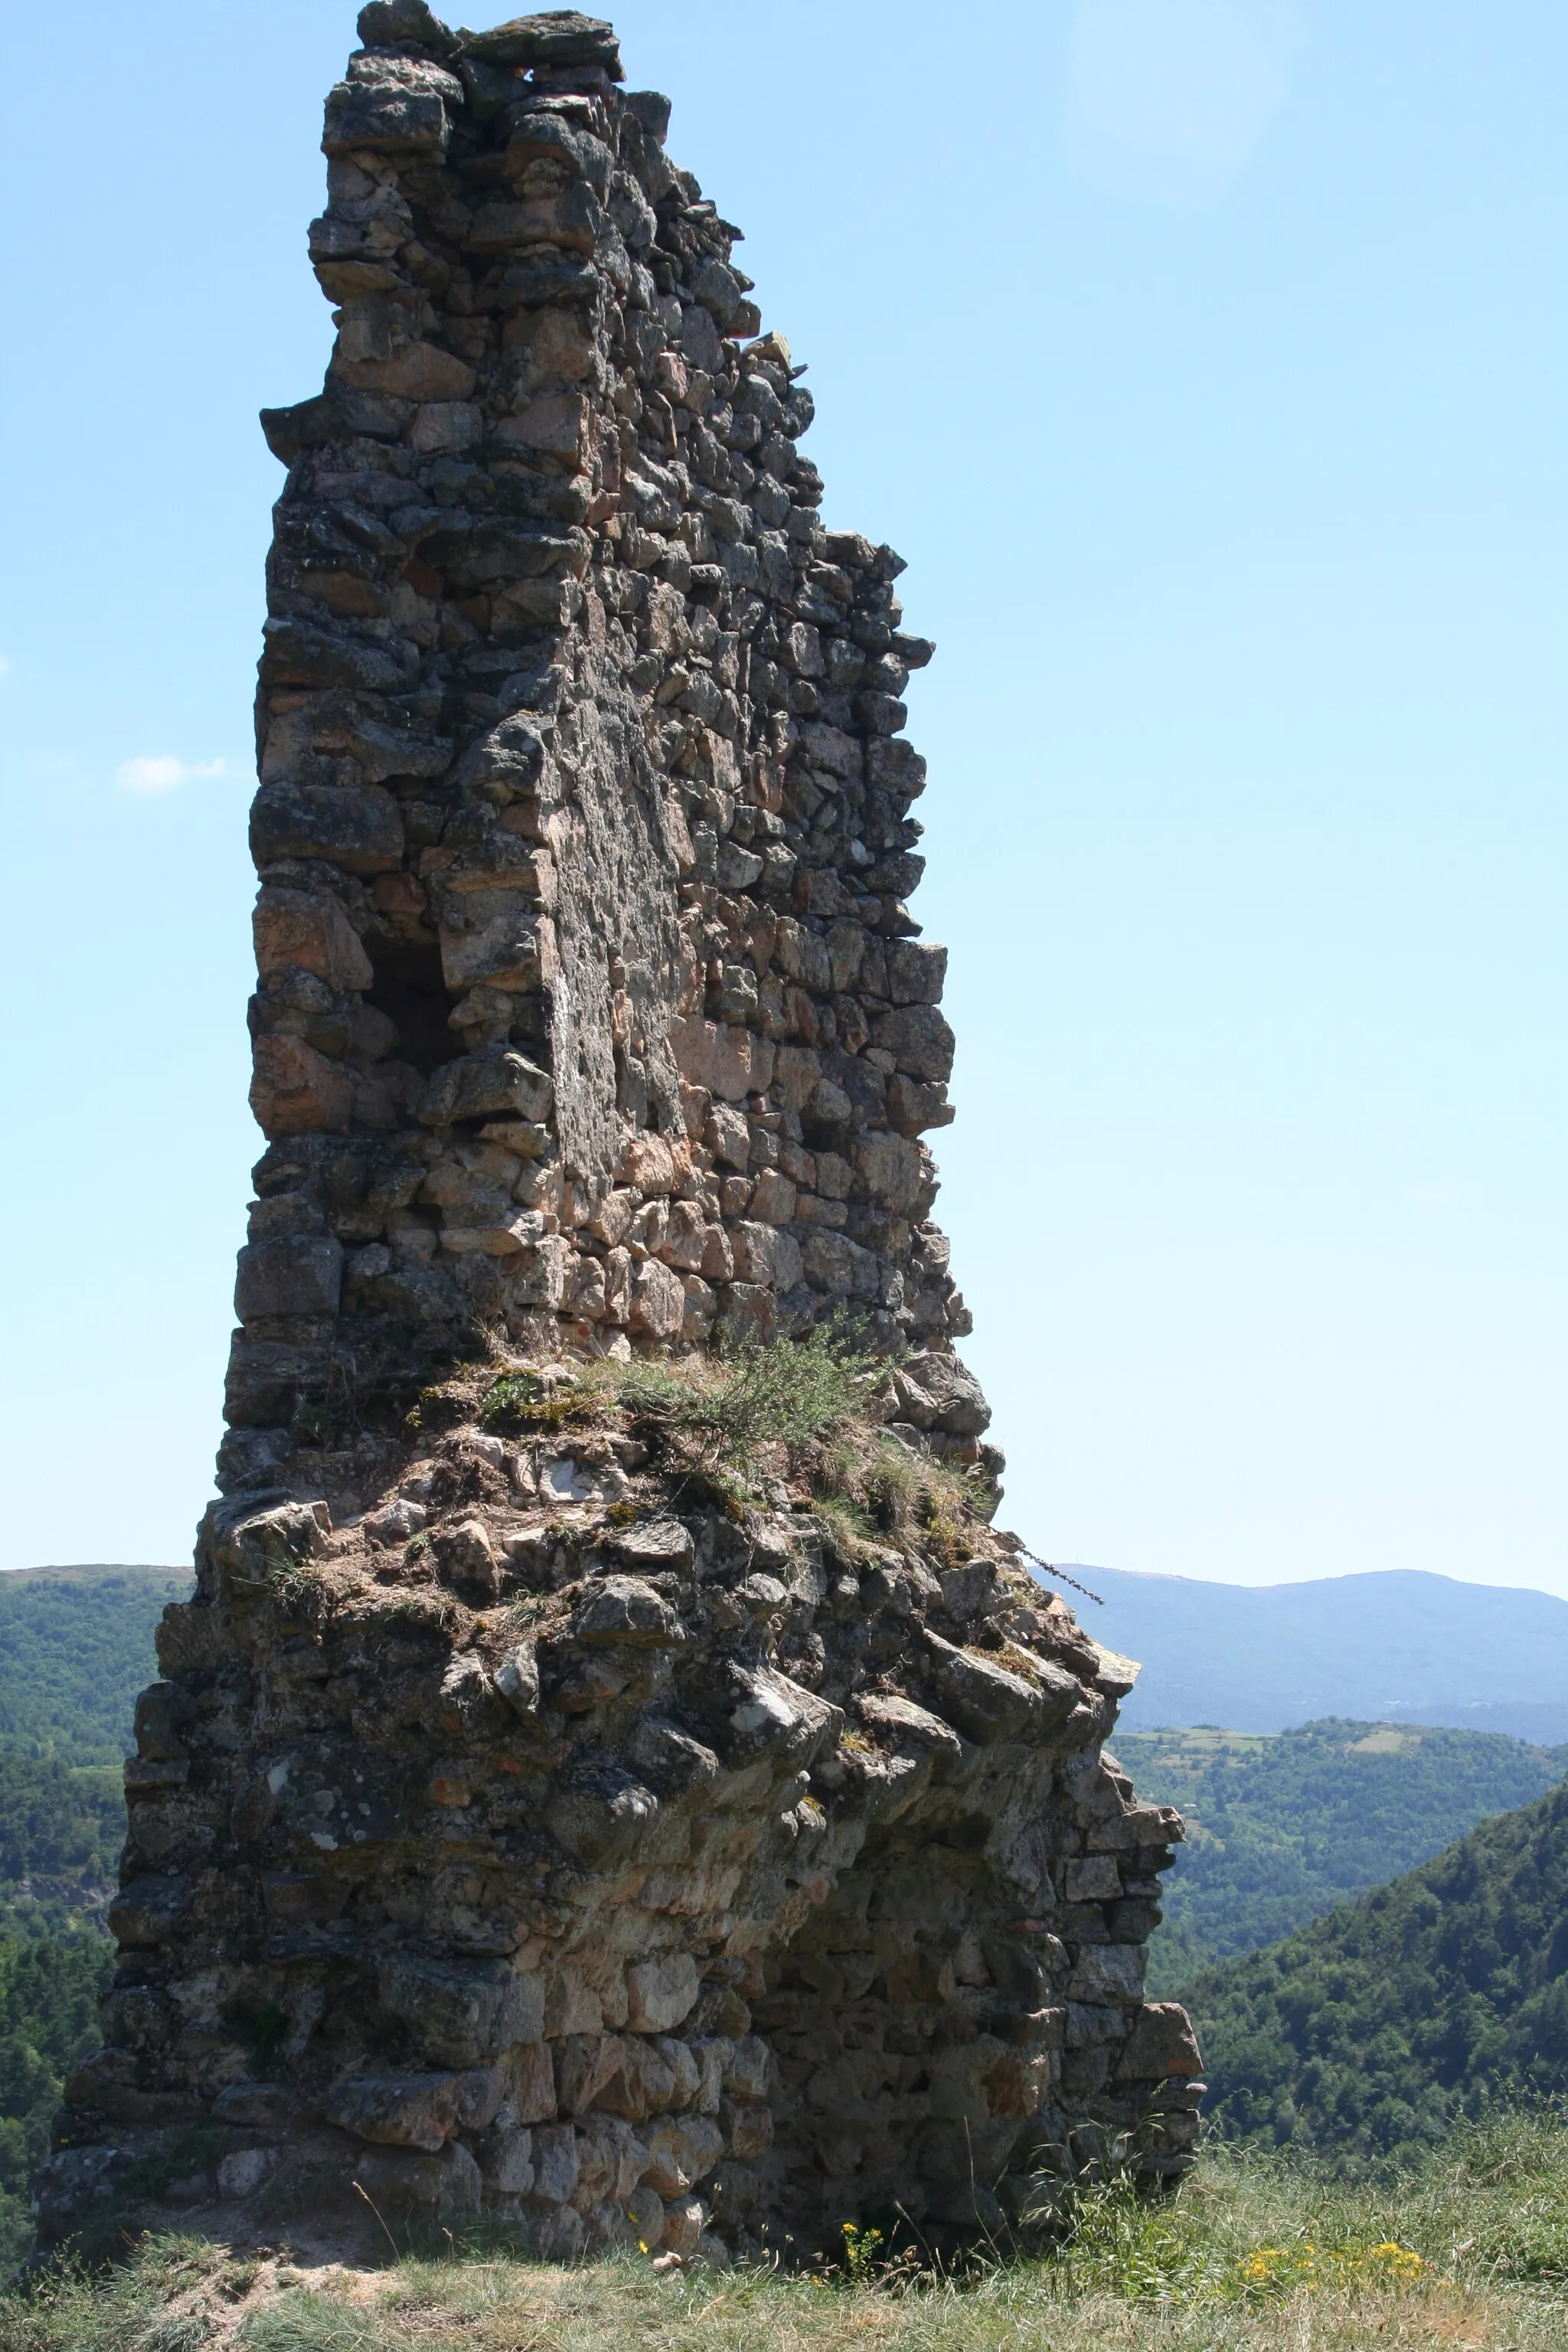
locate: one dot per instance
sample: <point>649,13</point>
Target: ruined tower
<point>523,1825</point>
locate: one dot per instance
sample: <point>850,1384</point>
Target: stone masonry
<point>517,1830</point>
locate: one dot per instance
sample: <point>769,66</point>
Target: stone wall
<point>591,1009</point>
<point>517,1827</point>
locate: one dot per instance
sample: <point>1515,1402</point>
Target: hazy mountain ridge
<point>1396,1645</point>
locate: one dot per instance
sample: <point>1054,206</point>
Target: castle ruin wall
<point>513,1831</point>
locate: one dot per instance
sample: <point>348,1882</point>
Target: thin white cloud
<point>1169,99</point>
<point>5,667</point>
<point>164,774</point>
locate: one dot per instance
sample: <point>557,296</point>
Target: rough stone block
<point>986,1702</point>
<point>685,2217</point>
<point>660,1992</point>
<point>388,23</point>
<point>919,1039</point>
<point>559,37</point>
<point>747,2128</point>
<point>494,1083</point>
<point>624,1612</point>
<point>658,1300</point>
<point>1095,1879</point>
<point>449,2185</point>
<point>681,2149</point>
<point>289,1277</point>
<point>1161,2046</point>
<point>300,930</point>
<point>391,106</point>
<point>296,1091</point>
<point>585,2063</point>
<point>644,2211</point>
<point>359,828</point>
<point>149,1910</point>
<point>463,2015</point>
<point>505,2158</point>
<point>241,2173</point>
<point>554,2164</point>
<point>399,2110</point>
<point>1105,1972</point>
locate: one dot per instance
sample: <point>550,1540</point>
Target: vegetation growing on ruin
<point>880,1486</point>
<point>1467,2249</point>
<point>524,1400</point>
<point>802,1410</point>
<point>730,1408</point>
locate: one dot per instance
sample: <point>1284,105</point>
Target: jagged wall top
<point>590,1008</point>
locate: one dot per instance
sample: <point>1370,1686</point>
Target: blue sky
<point>1205,360</point>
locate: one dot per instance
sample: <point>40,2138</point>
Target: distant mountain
<point>1283,1826</point>
<point>76,1646</point>
<point>1363,2035</point>
<point>1396,1646</point>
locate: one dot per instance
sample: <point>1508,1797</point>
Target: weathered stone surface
<point>391,106</point>
<point>358,830</point>
<point>557,37</point>
<point>289,1277</point>
<point>517,1829</point>
<point>390,24</point>
<point>660,1993</point>
<point>495,1082</point>
<point>403,2111</point>
<point>1162,2045</point>
<point>399,2180</point>
<point>463,2016</point>
<point>681,2150</point>
<point>986,1701</point>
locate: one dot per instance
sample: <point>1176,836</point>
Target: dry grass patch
<point>1470,2255</point>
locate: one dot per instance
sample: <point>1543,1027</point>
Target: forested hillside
<point>49,1990</point>
<point>76,1646</point>
<point>60,1834</point>
<point>1363,2035</point>
<point>1282,1828</point>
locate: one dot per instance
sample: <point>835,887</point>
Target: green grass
<point>730,1408</point>
<point>1468,2251</point>
<point>525,1400</point>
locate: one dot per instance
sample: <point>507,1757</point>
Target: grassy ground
<point>1470,2255</point>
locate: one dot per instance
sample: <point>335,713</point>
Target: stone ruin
<point>520,1830</point>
